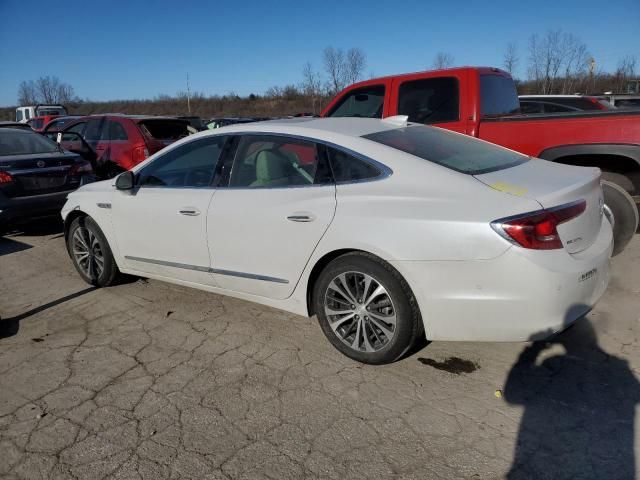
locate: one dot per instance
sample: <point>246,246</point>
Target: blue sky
<point>138,49</point>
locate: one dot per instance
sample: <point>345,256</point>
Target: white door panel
<point>260,239</point>
<point>163,231</point>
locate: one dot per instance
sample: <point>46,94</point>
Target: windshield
<point>452,150</point>
<point>23,142</point>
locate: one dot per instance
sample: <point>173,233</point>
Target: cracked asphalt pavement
<point>148,380</point>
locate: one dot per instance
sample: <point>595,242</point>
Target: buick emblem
<point>40,164</point>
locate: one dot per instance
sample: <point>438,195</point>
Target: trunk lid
<point>37,174</point>
<point>552,185</point>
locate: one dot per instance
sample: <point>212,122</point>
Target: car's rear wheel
<point>90,253</point>
<point>622,212</point>
<point>366,309</point>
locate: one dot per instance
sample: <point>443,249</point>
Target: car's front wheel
<point>366,309</point>
<point>90,253</point>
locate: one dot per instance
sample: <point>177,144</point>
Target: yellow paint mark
<point>507,188</point>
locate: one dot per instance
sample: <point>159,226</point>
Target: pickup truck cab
<point>25,113</point>
<point>483,102</point>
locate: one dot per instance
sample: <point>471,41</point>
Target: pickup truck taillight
<point>538,230</point>
<point>5,177</point>
<point>139,154</point>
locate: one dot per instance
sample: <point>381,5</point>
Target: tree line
<point>556,62</point>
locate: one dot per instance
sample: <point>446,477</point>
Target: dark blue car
<point>35,176</point>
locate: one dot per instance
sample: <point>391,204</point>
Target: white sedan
<point>386,230</point>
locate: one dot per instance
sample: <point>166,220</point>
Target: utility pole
<point>592,70</point>
<point>188,95</point>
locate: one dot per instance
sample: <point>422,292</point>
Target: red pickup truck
<point>483,102</point>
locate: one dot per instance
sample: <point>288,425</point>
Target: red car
<point>119,142</point>
<point>483,102</point>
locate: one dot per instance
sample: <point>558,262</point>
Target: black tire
<point>94,276</point>
<point>408,322</point>
<point>625,214</point>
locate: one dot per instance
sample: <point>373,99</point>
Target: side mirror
<point>125,181</point>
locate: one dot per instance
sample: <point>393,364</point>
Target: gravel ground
<point>150,380</point>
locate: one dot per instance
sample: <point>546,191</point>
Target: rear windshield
<point>164,129</point>
<point>498,96</point>
<point>22,142</point>
<point>452,150</point>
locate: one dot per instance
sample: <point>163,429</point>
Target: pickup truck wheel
<point>622,212</point>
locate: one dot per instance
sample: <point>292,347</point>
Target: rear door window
<point>114,131</point>
<point>430,100</point>
<point>93,131</point>
<point>265,161</point>
<point>452,150</point>
<point>364,102</point>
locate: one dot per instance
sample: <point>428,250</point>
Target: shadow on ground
<point>579,409</point>
<point>8,245</point>
<point>10,326</point>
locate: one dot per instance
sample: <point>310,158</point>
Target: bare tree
<point>556,61</point>
<point>511,58</point>
<point>311,84</point>
<point>355,64</point>
<point>626,71</point>
<point>45,90</point>
<point>443,60</point>
<point>334,65</point>
<point>27,93</point>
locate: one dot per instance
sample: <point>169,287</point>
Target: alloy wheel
<point>360,311</point>
<point>87,252</point>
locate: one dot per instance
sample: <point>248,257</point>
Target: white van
<point>25,113</point>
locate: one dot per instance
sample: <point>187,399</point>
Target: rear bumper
<point>13,210</point>
<point>520,295</point>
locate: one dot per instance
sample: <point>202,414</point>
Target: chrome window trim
<point>231,273</point>
<point>385,171</point>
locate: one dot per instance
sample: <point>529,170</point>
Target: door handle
<point>189,211</point>
<point>301,217</point>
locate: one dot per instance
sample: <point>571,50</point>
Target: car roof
<point>347,126</point>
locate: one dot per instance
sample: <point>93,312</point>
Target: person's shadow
<point>579,408</point>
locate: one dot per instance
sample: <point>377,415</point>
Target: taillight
<point>537,230</point>
<point>140,154</point>
<point>5,177</point>
<point>80,168</point>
